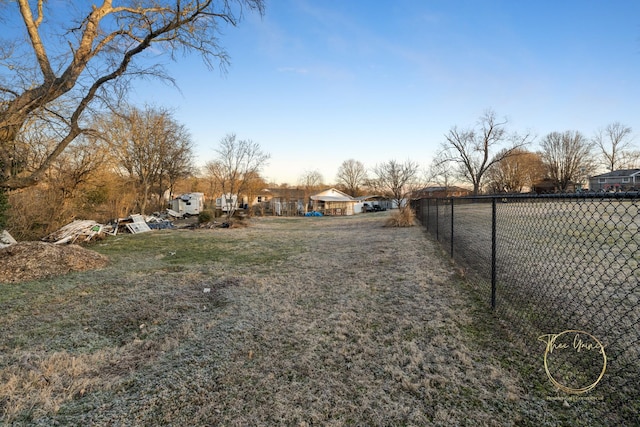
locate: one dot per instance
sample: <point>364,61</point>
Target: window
<point>625,179</point>
<point>259,199</point>
<point>602,180</point>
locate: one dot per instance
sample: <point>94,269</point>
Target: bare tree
<point>178,163</point>
<point>237,165</point>
<point>310,181</point>
<point>352,175</point>
<point>145,144</point>
<point>512,174</point>
<point>440,173</point>
<point>615,144</point>
<point>475,150</point>
<point>399,180</point>
<point>567,157</point>
<point>102,42</point>
<point>255,184</point>
<point>76,166</point>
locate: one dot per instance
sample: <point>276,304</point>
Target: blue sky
<point>319,82</point>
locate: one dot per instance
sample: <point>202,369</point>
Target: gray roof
<point>618,173</point>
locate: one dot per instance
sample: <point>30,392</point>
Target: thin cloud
<point>293,70</point>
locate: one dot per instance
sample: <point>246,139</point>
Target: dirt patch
<point>36,260</point>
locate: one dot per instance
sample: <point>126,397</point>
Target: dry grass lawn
<point>289,321</point>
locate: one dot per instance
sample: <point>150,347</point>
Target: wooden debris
<point>88,230</point>
<point>135,224</point>
<point>6,239</point>
<point>82,230</point>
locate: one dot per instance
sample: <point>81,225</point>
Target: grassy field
<point>561,264</point>
<point>288,321</point>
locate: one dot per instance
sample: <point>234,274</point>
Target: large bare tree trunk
<point>101,50</point>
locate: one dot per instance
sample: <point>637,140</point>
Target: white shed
<point>333,202</point>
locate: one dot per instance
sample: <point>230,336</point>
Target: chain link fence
<point>562,272</point>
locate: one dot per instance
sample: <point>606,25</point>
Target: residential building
<point>620,180</point>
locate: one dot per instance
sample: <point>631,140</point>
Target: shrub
<point>403,217</point>
<point>205,216</point>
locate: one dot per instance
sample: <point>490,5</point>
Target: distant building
<point>548,186</point>
<point>620,180</point>
<point>279,201</point>
<point>333,202</point>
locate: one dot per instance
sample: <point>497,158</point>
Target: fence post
<point>428,206</point>
<point>451,200</point>
<point>493,253</point>
<point>437,221</point>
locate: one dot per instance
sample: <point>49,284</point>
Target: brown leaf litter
<point>26,261</point>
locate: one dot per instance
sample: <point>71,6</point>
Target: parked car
<point>366,207</point>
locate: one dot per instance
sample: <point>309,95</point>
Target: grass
<point>562,265</point>
<point>297,321</point>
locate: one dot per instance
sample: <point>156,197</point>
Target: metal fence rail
<point>549,264</point>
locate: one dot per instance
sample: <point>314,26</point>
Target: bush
<point>403,217</point>
<point>205,216</point>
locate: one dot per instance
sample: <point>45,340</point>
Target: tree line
<point>71,145</point>
<point>491,158</point>
<point>68,66</point>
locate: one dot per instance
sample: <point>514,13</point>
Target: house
<point>549,186</point>
<point>440,192</point>
<point>279,201</point>
<point>333,202</point>
<point>620,180</point>
<point>188,204</point>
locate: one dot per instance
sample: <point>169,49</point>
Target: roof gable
<point>333,195</point>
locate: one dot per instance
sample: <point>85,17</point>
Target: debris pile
<point>6,239</point>
<point>82,230</point>
<point>161,221</point>
<point>26,261</point>
<point>79,230</point>
<point>134,224</point>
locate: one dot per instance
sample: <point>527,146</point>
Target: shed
<point>333,202</point>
